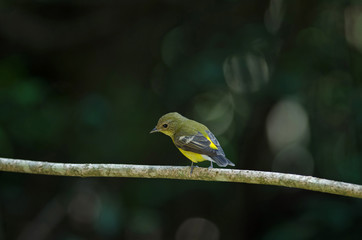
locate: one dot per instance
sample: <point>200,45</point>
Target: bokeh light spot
<point>274,15</point>
<point>247,73</point>
<point>353,25</point>
<point>287,123</point>
<point>173,45</point>
<point>197,228</point>
<point>215,110</point>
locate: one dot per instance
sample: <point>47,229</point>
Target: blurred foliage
<point>278,82</point>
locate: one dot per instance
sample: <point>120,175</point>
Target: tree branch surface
<point>172,172</point>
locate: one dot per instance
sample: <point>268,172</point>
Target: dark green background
<point>278,82</point>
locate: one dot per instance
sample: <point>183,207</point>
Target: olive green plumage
<point>193,139</point>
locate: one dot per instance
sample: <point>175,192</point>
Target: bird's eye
<point>165,125</point>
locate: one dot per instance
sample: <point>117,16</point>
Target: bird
<point>193,139</point>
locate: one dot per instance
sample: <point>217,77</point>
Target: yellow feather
<point>212,145</point>
<point>195,157</point>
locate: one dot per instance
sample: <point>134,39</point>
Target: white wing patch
<point>187,139</point>
<point>208,158</point>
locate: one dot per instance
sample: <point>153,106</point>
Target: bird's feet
<point>192,168</point>
<point>211,166</point>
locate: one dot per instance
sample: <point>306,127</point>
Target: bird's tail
<point>222,161</point>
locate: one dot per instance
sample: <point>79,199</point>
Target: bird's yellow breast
<point>195,157</point>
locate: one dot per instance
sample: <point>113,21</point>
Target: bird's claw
<point>192,168</point>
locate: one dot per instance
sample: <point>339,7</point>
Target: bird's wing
<point>198,143</point>
<point>215,141</point>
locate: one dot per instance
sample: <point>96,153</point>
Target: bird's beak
<point>154,130</point>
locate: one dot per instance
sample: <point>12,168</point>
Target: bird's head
<point>169,123</point>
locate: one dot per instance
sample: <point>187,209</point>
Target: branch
<point>170,172</point>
